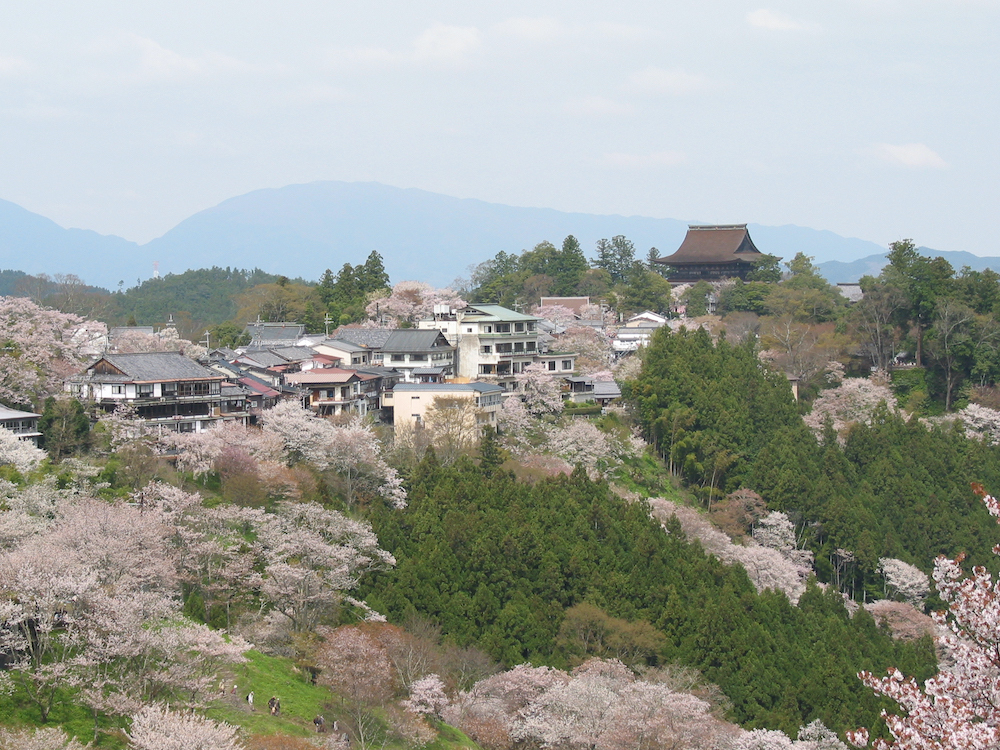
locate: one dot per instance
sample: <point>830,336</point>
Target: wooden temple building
<point>712,252</point>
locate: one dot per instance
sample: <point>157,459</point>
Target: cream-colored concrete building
<point>410,401</point>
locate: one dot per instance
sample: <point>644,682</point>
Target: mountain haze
<point>301,230</point>
<point>34,244</point>
<point>838,272</point>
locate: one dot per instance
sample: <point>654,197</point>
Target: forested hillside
<point>895,487</point>
<point>500,564</point>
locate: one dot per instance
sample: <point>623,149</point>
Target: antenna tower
<point>156,269</point>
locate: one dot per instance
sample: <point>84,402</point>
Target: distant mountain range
<point>839,272</point>
<point>301,230</point>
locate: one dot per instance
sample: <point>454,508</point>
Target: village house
<point>581,389</point>
<point>636,332</point>
<point>410,401</point>
<point>418,355</point>
<point>24,424</point>
<point>348,352</point>
<point>333,391</point>
<point>167,389</point>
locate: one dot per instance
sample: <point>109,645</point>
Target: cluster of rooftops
<point>474,353</point>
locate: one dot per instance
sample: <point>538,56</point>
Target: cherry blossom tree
<point>412,300</point>
<point>355,665</point>
<point>558,314</point>
<point>786,570</point>
<point>981,422</point>
<point>904,580</point>
<point>814,736</point>
<point>37,350</point>
<point>89,601</point>
<point>20,454</point>
<point>540,391</point>
<point>427,696</point>
<point>854,400</point>
<point>312,557</point>
<point>593,347</point>
<point>49,738</point>
<point>601,705</point>
<point>165,340</point>
<point>516,425</point>
<point>580,442</point>
<point>351,451</point>
<point>158,728</point>
<point>956,708</point>
<point>775,531</point>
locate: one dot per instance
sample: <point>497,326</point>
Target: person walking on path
<point>250,699</point>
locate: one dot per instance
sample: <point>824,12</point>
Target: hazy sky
<point>871,118</point>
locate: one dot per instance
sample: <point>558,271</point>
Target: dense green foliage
<point>203,296</point>
<point>497,562</point>
<point>895,489</point>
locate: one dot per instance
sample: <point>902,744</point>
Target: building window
<point>503,327</point>
<point>489,329</point>
<point>397,358</point>
<point>117,390</point>
<point>519,347</point>
<point>418,357</point>
<point>144,390</point>
<point>567,364</point>
<point>552,365</point>
<point>519,327</point>
<point>531,326</point>
<point>469,329</point>
<point>531,346</point>
<point>486,350</point>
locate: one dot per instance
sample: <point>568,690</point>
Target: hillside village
<point>607,503</point>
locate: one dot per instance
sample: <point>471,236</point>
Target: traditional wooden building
<point>713,252</point>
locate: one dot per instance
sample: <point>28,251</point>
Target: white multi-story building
<point>493,342</point>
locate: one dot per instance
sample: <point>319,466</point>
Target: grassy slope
<point>265,675</point>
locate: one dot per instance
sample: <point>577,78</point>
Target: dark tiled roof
<point>263,357</point>
<point>369,338</point>
<point>275,331</point>
<point>155,366</point>
<point>8,413</point>
<point>723,243</point>
<point>344,346</point>
<point>293,353</point>
<point>414,340</point>
<point>607,389</point>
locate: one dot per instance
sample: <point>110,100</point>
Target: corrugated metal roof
<point>497,312</point>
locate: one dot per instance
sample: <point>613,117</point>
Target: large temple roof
<point>716,243</point>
